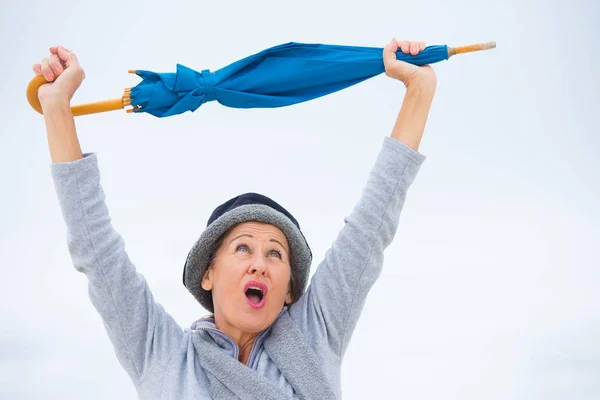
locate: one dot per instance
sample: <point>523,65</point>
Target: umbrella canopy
<point>280,76</point>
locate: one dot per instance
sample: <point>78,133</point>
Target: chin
<point>253,321</point>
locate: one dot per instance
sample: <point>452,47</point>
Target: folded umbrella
<point>280,76</point>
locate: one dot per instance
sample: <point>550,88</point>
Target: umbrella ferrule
<point>470,48</point>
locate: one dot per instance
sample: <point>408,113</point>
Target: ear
<point>288,297</point>
<point>207,283</point>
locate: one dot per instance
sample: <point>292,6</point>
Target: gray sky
<point>490,289</point>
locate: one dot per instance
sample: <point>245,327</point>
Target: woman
<point>270,337</point>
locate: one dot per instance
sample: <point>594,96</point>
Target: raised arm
<point>329,310</point>
<point>141,331</point>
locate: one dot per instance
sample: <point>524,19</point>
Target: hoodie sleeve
<point>329,309</point>
<point>142,333</point>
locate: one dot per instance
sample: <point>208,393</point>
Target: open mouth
<point>255,294</point>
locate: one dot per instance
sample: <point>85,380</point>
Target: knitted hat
<point>244,208</point>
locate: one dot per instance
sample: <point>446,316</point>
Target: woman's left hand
<point>405,72</point>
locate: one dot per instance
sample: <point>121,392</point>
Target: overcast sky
<point>490,288</point>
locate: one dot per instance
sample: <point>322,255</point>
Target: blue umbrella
<point>280,76</point>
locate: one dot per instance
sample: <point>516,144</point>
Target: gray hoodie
<point>167,362</point>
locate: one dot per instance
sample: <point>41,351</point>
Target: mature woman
<point>271,337</point>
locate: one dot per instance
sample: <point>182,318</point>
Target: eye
<point>275,253</point>
<point>242,247</point>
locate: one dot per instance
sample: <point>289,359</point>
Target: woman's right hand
<point>64,74</point>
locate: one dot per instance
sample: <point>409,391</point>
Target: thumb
<point>66,56</point>
<point>389,52</point>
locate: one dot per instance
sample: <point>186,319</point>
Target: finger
<point>37,68</point>
<point>46,70</point>
<point>55,65</point>
<point>404,45</point>
<point>414,48</point>
<point>421,46</point>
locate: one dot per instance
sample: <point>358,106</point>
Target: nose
<point>258,265</point>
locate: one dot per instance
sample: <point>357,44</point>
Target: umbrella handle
<point>82,109</point>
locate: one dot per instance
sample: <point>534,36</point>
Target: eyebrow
<point>278,242</point>
<point>250,236</point>
<point>237,237</point>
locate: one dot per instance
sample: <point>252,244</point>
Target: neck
<point>244,340</point>
<point>245,345</point>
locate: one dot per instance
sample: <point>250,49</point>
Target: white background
<point>490,289</point>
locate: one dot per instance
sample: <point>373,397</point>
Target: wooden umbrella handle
<point>82,109</point>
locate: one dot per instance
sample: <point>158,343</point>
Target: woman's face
<point>249,278</point>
